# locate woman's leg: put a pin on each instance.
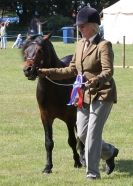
(1, 44)
(82, 123)
(4, 42)
(99, 112)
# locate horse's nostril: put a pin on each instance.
(28, 68)
(27, 71)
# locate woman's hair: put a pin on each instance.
(95, 27)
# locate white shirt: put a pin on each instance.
(87, 43)
(92, 38)
(3, 30)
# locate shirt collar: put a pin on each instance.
(91, 39)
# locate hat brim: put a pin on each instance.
(79, 23)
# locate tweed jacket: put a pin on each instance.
(96, 61)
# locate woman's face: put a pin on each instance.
(87, 30)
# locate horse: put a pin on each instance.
(38, 52)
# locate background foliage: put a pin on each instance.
(57, 13)
(47, 8)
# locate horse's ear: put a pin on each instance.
(47, 36)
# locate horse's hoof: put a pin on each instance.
(78, 165)
(47, 171)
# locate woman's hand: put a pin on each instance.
(92, 83)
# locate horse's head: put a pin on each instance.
(33, 52)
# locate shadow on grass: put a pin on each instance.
(125, 166)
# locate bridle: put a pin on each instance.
(32, 62)
(33, 65)
(33, 59)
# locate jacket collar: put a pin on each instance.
(97, 39)
(92, 46)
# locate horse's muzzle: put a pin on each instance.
(30, 73)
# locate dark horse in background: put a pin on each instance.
(52, 99)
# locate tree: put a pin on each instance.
(26, 9)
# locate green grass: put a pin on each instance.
(119, 55)
(22, 155)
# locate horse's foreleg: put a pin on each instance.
(72, 141)
(49, 145)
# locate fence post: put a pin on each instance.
(123, 54)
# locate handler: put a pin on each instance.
(93, 61)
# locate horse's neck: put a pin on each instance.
(55, 61)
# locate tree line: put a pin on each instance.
(59, 10)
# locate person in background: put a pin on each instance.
(92, 63)
(19, 42)
(3, 34)
(34, 26)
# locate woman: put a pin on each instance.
(93, 60)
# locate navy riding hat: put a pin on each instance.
(87, 15)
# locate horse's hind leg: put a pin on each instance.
(49, 145)
(72, 141)
(81, 148)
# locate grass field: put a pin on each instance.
(22, 155)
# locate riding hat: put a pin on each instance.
(87, 15)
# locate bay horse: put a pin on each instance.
(38, 52)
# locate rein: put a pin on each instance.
(73, 97)
(62, 84)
